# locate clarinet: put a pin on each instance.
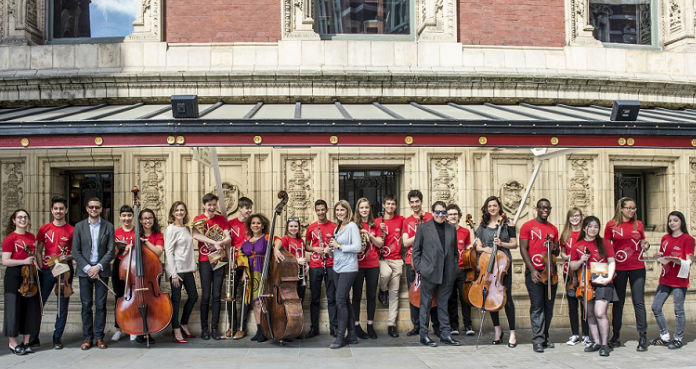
(323, 255)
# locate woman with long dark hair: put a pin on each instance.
(152, 238)
(486, 233)
(627, 237)
(592, 249)
(676, 249)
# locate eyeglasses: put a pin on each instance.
(294, 220)
(440, 212)
(94, 207)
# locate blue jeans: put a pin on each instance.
(48, 281)
(661, 296)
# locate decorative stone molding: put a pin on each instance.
(692, 195)
(148, 22)
(579, 29)
(436, 20)
(678, 21)
(232, 193)
(443, 175)
(579, 188)
(12, 187)
(511, 192)
(298, 181)
(150, 177)
(22, 21)
(298, 20)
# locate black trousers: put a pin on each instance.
(22, 315)
(415, 310)
(637, 279)
(576, 305)
(189, 282)
(48, 281)
(444, 291)
(117, 283)
(540, 307)
(509, 303)
(457, 297)
(330, 278)
(234, 309)
(344, 319)
(370, 276)
(211, 284)
(93, 292)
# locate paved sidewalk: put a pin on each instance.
(385, 352)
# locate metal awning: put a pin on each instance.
(287, 120)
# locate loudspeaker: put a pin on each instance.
(625, 110)
(185, 106)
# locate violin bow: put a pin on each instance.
(549, 272)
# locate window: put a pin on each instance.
(374, 184)
(74, 19)
(622, 21)
(648, 187)
(363, 17)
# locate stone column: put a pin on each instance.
(22, 22)
(436, 20)
(298, 20)
(148, 22)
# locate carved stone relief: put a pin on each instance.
(12, 187)
(148, 22)
(151, 181)
(22, 21)
(298, 179)
(579, 189)
(298, 20)
(436, 20)
(443, 174)
(232, 194)
(678, 19)
(511, 193)
(580, 32)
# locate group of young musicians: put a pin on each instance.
(354, 252)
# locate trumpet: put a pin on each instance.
(365, 243)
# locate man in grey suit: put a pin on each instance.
(93, 250)
(435, 259)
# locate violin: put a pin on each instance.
(488, 292)
(469, 257)
(414, 293)
(29, 286)
(281, 307)
(143, 309)
(550, 271)
(584, 287)
(63, 287)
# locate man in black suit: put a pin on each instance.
(435, 259)
(93, 250)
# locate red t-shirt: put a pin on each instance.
(536, 233)
(626, 242)
(203, 249)
(463, 241)
(580, 247)
(294, 245)
(568, 247)
(15, 243)
(410, 226)
(678, 247)
(314, 232)
(371, 259)
(156, 239)
(238, 232)
(56, 239)
(392, 240)
(123, 236)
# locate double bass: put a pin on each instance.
(281, 308)
(143, 309)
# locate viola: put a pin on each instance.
(143, 309)
(584, 287)
(29, 286)
(469, 257)
(63, 287)
(281, 307)
(550, 271)
(487, 292)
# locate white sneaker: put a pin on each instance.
(587, 341)
(133, 337)
(117, 335)
(455, 332)
(573, 340)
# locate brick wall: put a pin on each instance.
(222, 20)
(511, 22)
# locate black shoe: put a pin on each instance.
(205, 335)
(469, 331)
(34, 342)
(426, 341)
(371, 331)
(548, 345)
(674, 344)
(538, 347)
(413, 331)
(604, 350)
(337, 344)
(27, 348)
(332, 332)
(57, 344)
(214, 334)
(593, 347)
(312, 333)
(642, 343)
(499, 340)
(18, 350)
(351, 340)
(614, 341)
(392, 331)
(360, 333)
(448, 340)
(261, 338)
(384, 297)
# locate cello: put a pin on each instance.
(281, 308)
(143, 309)
(488, 292)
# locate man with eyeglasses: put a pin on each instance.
(533, 248)
(435, 259)
(93, 250)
